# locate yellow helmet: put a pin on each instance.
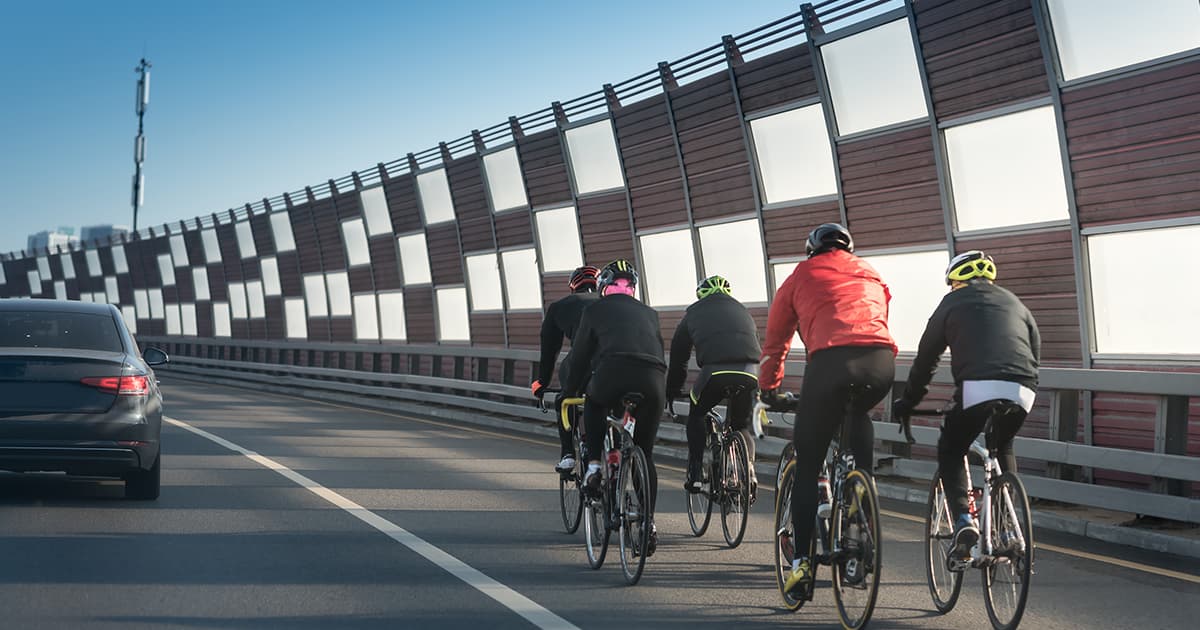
(969, 265)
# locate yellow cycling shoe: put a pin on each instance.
(801, 576)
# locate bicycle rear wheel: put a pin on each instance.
(944, 584)
(633, 494)
(595, 529)
(1006, 579)
(735, 489)
(570, 493)
(785, 538)
(699, 504)
(857, 536)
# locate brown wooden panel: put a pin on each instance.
(787, 228)
(545, 170)
(514, 229)
(476, 234)
(668, 321)
(361, 280)
(418, 315)
(290, 280)
(329, 234)
(466, 188)
(341, 329)
(555, 285)
(651, 161)
(487, 329)
(385, 263)
(893, 198)
(604, 223)
(276, 326)
(401, 197)
(712, 141)
(445, 259)
(348, 204)
(318, 329)
(305, 235)
(524, 329)
(776, 79)
(264, 240)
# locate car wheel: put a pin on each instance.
(143, 484)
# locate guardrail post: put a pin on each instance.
(1170, 438)
(1063, 427)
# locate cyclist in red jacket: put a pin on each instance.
(839, 305)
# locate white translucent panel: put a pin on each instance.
(669, 268)
(504, 179)
(237, 300)
(1095, 36)
(391, 317)
(281, 227)
(521, 279)
(734, 251)
(174, 321)
(111, 291)
(141, 300)
(1138, 304)
(452, 319)
(85, 297)
(295, 318)
(414, 259)
(375, 209)
(436, 203)
(338, 285)
(795, 157)
(355, 238)
(93, 263)
(156, 303)
(200, 281)
(558, 239)
(60, 290)
(917, 283)
(781, 271)
(166, 269)
(245, 240)
(483, 278)
(68, 265)
(35, 282)
(43, 265)
(222, 327)
(120, 264)
(594, 161)
(254, 299)
(188, 314)
(3, 278)
(179, 250)
(99, 297)
(366, 318)
(314, 295)
(129, 314)
(873, 78)
(270, 276)
(212, 248)
(1006, 171)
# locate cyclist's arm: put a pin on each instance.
(681, 349)
(781, 325)
(582, 349)
(929, 352)
(1035, 337)
(551, 343)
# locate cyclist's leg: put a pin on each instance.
(741, 409)
(566, 439)
(873, 368)
(819, 411)
(958, 431)
(651, 382)
(1005, 428)
(703, 399)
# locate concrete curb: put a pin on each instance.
(673, 433)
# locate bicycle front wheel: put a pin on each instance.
(570, 496)
(1006, 578)
(785, 538)
(859, 553)
(944, 584)
(735, 489)
(595, 527)
(699, 504)
(633, 495)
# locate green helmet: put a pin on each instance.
(711, 285)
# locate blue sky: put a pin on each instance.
(252, 99)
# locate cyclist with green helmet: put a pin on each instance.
(725, 338)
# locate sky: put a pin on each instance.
(251, 99)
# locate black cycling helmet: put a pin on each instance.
(828, 236)
(970, 265)
(614, 271)
(583, 279)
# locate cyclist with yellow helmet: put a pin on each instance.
(994, 352)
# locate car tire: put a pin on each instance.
(143, 485)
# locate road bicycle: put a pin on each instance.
(846, 535)
(726, 480)
(570, 483)
(1004, 552)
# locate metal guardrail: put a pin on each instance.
(469, 388)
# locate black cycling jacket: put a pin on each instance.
(562, 318)
(614, 326)
(720, 329)
(992, 337)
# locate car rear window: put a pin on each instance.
(42, 329)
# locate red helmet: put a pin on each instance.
(584, 279)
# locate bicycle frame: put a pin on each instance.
(981, 553)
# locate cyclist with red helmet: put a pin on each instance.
(561, 320)
(839, 305)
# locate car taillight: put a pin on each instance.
(119, 385)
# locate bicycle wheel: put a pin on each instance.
(944, 584)
(699, 505)
(634, 513)
(788, 454)
(856, 535)
(595, 526)
(735, 490)
(785, 536)
(1006, 579)
(570, 496)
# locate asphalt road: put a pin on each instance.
(407, 523)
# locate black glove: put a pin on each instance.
(901, 409)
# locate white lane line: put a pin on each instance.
(514, 601)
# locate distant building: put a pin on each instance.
(90, 233)
(61, 237)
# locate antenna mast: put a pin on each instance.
(139, 144)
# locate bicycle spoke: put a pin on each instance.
(856, 534)
(944, 584)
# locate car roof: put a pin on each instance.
(56, 306)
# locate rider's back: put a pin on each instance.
(991, 334)
(566, 312)
(722, 331)
(839, 300)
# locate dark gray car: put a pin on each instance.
(76, 394)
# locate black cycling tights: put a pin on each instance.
(959, 430)
(711, 390)
(611, 381)
(822, 406)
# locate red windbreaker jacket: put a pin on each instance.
(832, 299)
